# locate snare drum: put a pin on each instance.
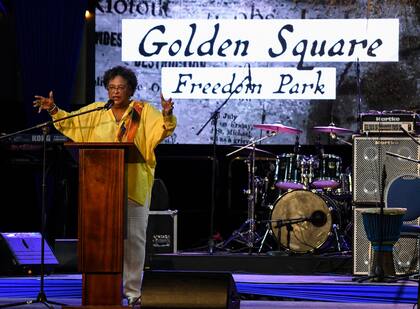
(302, 221)
(327, 175)
(289, 171)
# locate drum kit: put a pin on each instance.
(311, 211)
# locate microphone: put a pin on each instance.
(108, 104)
(318, 218)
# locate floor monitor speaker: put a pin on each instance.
(175, 289)
(20, 253)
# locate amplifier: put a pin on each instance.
(388, 123)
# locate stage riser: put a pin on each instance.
(307, 264)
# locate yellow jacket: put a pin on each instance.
(100, 126)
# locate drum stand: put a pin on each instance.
(267, 231)
(246, 233)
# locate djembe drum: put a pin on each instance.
(383, 243)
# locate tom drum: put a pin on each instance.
(327, 175)
(290, 171)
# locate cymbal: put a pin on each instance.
(332, 129)
(277, 127)
(256, 149)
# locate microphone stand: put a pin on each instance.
(359, 91)
(42, 297)
(339, 139)
(289, 228)
(391, 154)
(214, 117)
(263, 115)
(409, 135)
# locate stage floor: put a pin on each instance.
(255, 291)
(245, 304)
(262, 281)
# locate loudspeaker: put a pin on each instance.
(370, 158)
(164, 289)
(21, 253)
(406, 259)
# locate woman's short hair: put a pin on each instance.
(125, 73)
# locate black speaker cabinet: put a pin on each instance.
(20, 253)
(370, 161)
(173, 289)
(406, 258)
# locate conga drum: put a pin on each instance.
(383, 232)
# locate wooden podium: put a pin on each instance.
(102, 212)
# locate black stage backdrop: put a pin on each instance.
(185, 170)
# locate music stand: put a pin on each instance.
(42, 297)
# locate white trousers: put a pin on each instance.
(134, 248)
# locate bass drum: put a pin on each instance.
(302, 221)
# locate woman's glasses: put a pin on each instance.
(112, 88)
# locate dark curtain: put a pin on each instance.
(49, 36)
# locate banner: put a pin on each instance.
(248, 83)
(275, 40)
